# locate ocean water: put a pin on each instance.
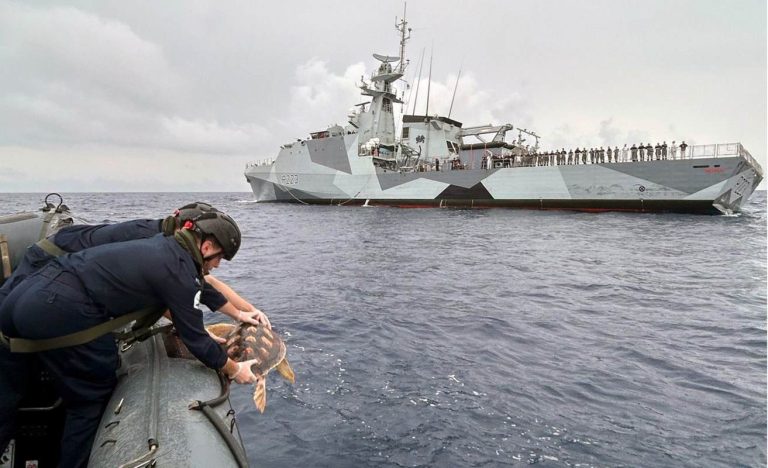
(442, 337)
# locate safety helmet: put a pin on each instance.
(192, 210)
(221, 227)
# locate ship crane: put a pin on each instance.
(477, 132)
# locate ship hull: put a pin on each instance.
(594, 206)
(311, 174)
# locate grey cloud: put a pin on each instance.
(80, 78)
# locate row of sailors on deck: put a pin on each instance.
(601, 155)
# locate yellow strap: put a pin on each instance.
(5, 258)
(46, 223)
(50, 248)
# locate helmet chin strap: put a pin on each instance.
(207, 258)
(210, 257)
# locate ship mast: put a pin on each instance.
(378, 122)
(402, 27)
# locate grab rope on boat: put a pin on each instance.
(226, 433)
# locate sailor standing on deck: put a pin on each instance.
(78, 291)
(624, 153)
(673, 149)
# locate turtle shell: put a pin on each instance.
(248, 342)
(245, 342)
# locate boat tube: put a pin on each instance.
(18, 231)
(167, 410)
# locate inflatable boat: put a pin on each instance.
(168, 409)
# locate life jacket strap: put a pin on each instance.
(143, 329)
(23, 345)
(5, 259)
(50, 248)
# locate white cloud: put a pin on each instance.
(212, 137)
(82, 51)
(320, 98)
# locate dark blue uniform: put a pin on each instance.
(76, 238)
(56, 301)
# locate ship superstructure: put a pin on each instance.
(437, 161)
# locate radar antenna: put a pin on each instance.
(402, 27)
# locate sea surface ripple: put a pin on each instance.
(443, 337)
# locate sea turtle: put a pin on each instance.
(246, 342)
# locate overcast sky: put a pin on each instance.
(180, 95)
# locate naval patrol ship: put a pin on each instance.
(436, 161)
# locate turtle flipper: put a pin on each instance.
(260, 394)
(221, 330)
(284, 369)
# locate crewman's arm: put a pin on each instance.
(229, 293)
(236, 307)
(254, 317)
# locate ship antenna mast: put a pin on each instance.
(429, 82)
(402, 27)
(418, 82)
(454, 93)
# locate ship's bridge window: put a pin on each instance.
(406, 132)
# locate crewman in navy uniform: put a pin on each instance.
(216, 295)
(81, 290)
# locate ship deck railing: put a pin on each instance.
(505, 160)
(261, 162)
(723, 150)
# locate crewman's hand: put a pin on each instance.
(254, 317)
(244, 374)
